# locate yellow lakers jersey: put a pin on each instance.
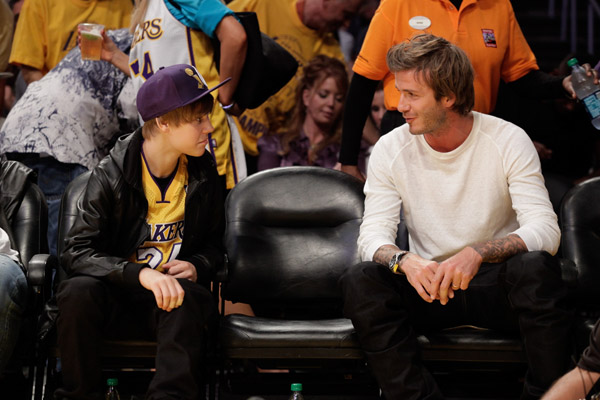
(166, 210)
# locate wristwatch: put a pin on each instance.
(395, 262)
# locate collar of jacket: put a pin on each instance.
(126, 154)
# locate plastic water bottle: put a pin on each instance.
(296, 392)
(586, 91)
(112, 393)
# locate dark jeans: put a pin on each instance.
(524, 294)
(91, 310)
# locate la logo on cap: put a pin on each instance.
(191, 73)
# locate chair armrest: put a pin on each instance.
(222, 271)
(39, 273)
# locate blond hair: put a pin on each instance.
(444, 66)
(138, 13)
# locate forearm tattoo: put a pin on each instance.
(384, 254)
(498, 250)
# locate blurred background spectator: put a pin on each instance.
(66, 122)
(305, 28)
(313, 135)
(47, 30)
(6, 34)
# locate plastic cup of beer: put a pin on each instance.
(91, 41)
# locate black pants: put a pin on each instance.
(524, 294)
(91, 310)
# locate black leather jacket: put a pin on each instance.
(15, 179)
(112, 218)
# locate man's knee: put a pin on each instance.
(535, 276)
(356, 276)
(533, 265)
(198, 300)
(13, 284)
(79, 292)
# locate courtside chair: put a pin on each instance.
(580, 242)
(291, 231)
(29, 222)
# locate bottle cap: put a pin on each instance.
(112, 381)
(572, 62)
(296, 387)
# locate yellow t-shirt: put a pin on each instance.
(165, 217)
(47, 29)
(6, 34)
(279, 19)
(486, 30)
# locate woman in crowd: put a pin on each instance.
(314, 133)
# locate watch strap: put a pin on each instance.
(395, 262)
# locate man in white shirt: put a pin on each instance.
(481, 228)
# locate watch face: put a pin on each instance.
(393, 260)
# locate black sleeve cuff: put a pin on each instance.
(356, 112)
(539, 85)
(131, 273)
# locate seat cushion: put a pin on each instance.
(244, 336)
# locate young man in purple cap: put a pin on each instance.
(142, 251)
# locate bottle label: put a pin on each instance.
(592, 104)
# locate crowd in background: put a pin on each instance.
(568, 157)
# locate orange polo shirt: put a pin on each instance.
(486, 30)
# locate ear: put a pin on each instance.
(306, 96)
(162, 125)
(448, 101)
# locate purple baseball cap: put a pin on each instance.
(170, 88)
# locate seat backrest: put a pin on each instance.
(68, 212)
(28, 212)
(291, 231)
(30, 224)
(580, 225)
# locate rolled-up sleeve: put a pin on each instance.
(538, 223)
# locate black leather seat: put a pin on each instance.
(28, 217)
(290, 233)
(580, 226)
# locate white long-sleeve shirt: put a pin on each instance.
(488, 187)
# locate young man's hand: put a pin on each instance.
(167, 291)
(181, 269)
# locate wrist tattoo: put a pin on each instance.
(383, 255)
(498, 250)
